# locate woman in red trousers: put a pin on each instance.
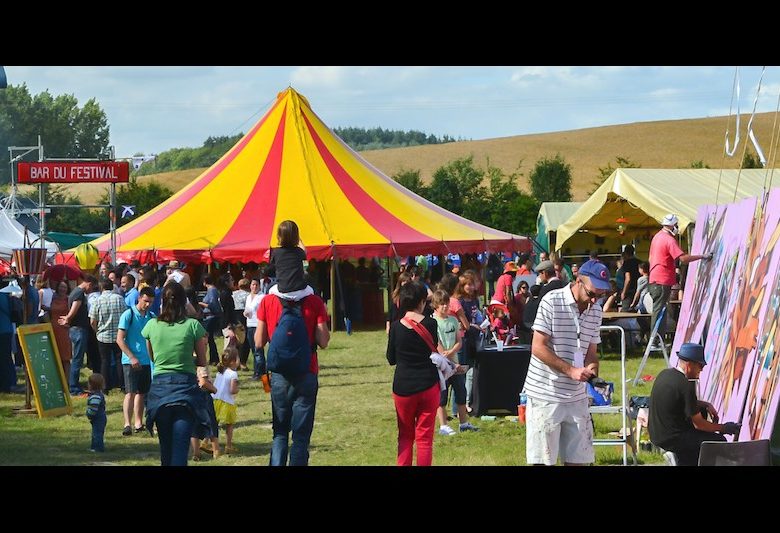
(416, 389)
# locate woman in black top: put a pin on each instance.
(416, 386)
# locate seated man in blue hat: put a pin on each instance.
(677, 420)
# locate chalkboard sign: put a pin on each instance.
(42, 359)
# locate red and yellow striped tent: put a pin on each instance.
(292, 166)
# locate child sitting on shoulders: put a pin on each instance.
(224, 399)
(287, 264)
(96, 411)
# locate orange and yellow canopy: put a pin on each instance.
(292, 166)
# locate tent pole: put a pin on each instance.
(390, 287)
(333, 293)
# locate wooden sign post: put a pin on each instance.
(44, 369)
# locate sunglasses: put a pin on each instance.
(590, 293)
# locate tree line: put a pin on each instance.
(184, 158)
(379, 138)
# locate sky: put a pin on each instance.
(152, 109)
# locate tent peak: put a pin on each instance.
(293, 95)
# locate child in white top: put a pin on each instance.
(224, 399)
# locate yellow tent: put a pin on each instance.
(644, 196)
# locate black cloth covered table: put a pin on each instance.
(498, 378)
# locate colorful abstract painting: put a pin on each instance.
(730, 306)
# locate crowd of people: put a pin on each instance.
(145, 333)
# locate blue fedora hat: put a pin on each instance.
(690, 351)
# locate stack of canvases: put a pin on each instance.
(731, 306)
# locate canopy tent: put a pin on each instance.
(551, 215)
(645, 196)
(292, 166)
(12, 236)
(71, 240)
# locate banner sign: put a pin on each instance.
(84, 172)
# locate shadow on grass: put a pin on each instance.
(341, 384)
(340, 367)
(248, 423)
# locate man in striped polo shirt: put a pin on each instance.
(563, 358)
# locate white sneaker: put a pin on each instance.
(446, 430)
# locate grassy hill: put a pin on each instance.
(661, 144)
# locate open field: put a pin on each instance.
(660, 144)
(355, 422)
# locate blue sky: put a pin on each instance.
(151, 109)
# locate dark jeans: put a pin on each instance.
(211, 325)
(93, 353)
(293, 402)
(174, 427)
(78, 338)
(98, 430)
(660, 295)
(687, 445)
(111, 365)
(257, 353)
(7, 368)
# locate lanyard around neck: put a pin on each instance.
(574, 315)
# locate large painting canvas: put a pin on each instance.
(761, 394)
(699, 297)
(730, 306)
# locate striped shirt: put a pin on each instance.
(558, 317)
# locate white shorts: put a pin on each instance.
(554, 429)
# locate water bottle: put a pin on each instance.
(521, 409)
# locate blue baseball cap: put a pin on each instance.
(690, 351)
(597, 272)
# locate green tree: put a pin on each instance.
(751, 160)
(605, 172)
(456, 185)
(511, 210)
(412, 181)
(699, 164)
(551, 180)
(66, 130)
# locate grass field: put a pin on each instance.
(355, 422)
(660, 144)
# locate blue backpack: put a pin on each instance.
(289, 352)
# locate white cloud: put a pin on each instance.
(313, 77)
